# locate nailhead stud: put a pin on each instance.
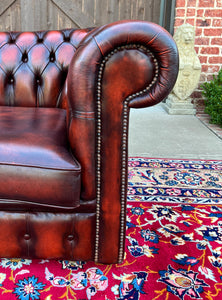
(70, 237)
(124, 143)
(27, 236)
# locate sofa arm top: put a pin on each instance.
(103, 40)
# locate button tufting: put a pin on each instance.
(66, 38)
(10, 80)
(52, 57)
(70, 237)
(40, 40)
(27, 236)
(38, 80)
(12, 41)
(24, 57)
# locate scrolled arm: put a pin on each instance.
(155, 39)
(127, 64)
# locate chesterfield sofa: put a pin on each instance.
(65, 98)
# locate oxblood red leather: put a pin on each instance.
(38, 59)
(35, 161)
(64, 172)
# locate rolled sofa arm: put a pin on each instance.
(123, 65)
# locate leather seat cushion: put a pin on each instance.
(37, 169)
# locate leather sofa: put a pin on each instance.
(65, 98)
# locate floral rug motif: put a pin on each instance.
(175, 181)
(173, 243)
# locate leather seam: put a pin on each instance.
(40, 167)
(83, 115)
(42, 205)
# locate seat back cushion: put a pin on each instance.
(34, 65)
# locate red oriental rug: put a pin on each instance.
(173, 243)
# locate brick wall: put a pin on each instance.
(206, 16)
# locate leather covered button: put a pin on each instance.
(38, 81)
(27, 236)
(66, 39)
(10, 79)
(52, 57)
(24, 57)
(70, 237)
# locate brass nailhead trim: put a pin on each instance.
(124, 144)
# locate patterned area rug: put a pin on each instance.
(173, 243)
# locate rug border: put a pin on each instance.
(187, 159)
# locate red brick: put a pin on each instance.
(192, 3)
(200, 100)
(215, 60)
(198, 31)
(203, 77)
(180, 3)
(197, 94)
(206, 3)
(196, 49)
(190, 21)
(213, 13)
(212, 32)
(210, 68)
(219, 3)
(200, 12)
(200, 106)
(210, 50)
(209, 77)
(203, 59)
(204, 68)
(217, 23)
(216, 41)
(202, 41)
(180, 12)
(213, 69)
(203, 23)
(178, 22)
(191, 12)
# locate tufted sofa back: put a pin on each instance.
(34, 66)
